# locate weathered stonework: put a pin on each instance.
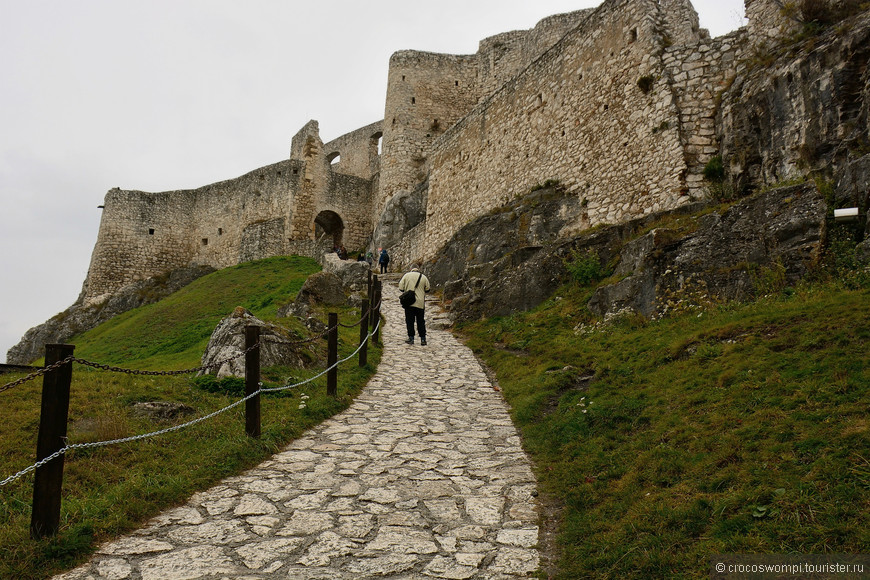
(621, 105)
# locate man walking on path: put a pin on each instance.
(384, 260)
(416, 281)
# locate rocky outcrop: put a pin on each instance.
(79, 318)
(402, 212)
(352, 274)
(322, 288)
(509, 235)
(514, 258)
(760, 244)
(227, 345)
(802, 108)
(770, 238)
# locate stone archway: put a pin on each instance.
(329, 226)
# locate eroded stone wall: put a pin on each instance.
(426, 94)
(147, 234)
(268, 212)
(576, 116)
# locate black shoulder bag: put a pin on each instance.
(408, 297)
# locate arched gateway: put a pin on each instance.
(328, 225)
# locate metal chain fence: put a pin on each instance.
(74, 446)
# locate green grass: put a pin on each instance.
(740, 430)
(185, 320)
(100, 484)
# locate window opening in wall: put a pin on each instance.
(334, 158)
(150, 231)
(295, 172)
(457, 83)
(279, 174)
(205, 241)
(632, 36)
(403, 77)
(377, 140)
(220, 231)
(413, 101)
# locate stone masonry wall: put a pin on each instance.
(578, 116)
(260, 214)
(146, 234)
(698, 75)
(426, 94)
(619, 104)
(357, 151)
(503, 56)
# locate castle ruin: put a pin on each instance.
(618, 104)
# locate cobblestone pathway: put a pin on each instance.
(422, 477)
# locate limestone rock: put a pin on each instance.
(777, 233)
(405, 210)
(353, 274)
(322, 288)
(162, 410)
(227, 343)
(804, 113)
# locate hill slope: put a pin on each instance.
(112, 489)
(742, 428)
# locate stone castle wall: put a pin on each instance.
(278, 209)
(576, 116)
(618, 104)
(503, 56)
(426, 94)
(147, 234)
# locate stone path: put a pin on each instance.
(422, 477)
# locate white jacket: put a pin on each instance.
(408, 282)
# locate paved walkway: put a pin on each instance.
(422, 477)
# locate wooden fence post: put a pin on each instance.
(373, 300)
(363, 334)
(369, 284)
(377, 312)
(332, 356)
(252, 381)
(48, 482)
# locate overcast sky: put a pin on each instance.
(160, 95)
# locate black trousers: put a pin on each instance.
(383, 268)
(413, 313)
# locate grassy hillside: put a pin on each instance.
(741, 428)
(111, 490)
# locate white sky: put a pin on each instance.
(160, 95)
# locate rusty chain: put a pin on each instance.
(38, 373)
(213, 365)
(110, 368)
